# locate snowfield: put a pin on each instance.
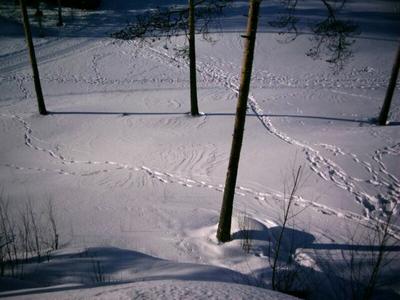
(136, 183)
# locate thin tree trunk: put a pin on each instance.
(382, 251)
(60, 19)
(37, 6)
(286, 211)
(194, 109)
(390, 90)
(224, 226)
(36, 79)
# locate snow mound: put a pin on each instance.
(160, 289)
(112, 273)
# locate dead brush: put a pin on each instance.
(246, 231)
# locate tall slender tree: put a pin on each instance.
(172, 21)
(60, 18)
(382, 120)
(331, 33)
(224, 226)
(194, 108)
(32, 56)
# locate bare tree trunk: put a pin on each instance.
(60, 19)
(37, 6)
(194, 109)
(390, 90)
(224, 226)
(28, 36)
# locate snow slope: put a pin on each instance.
(126, 167)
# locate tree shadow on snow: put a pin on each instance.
(361, 122)
(114, 15)
(300, 253)
(118, 113)
(103, 266)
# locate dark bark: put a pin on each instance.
(60, 18)
(390, 90)
(36, 78)
(167, 22)
(194, 109)
(224, 226)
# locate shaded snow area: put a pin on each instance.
(129, 187)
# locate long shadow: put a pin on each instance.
(297, 116)
(135, 266)
(117, 261)
(369, 121)
(293, 239)
(330, 276)
(53, 289)
(347, 247)
(118, 113)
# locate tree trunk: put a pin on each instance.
(37, 6)
(390, 90)
(60, 19)
(224, 226)
(194, 109)
(36, 79)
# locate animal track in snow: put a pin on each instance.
(163, 177)
(324, 167)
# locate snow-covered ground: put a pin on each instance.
(137, 184)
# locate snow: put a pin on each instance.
(165, 289)
(137, 183)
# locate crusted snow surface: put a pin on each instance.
(137, 183)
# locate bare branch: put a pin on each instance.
(172, 21)
(332, 37)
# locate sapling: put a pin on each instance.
(9, 252)
(368, 255)
(37, 245)
(287, 209)
(245, 230)
(53, 225)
